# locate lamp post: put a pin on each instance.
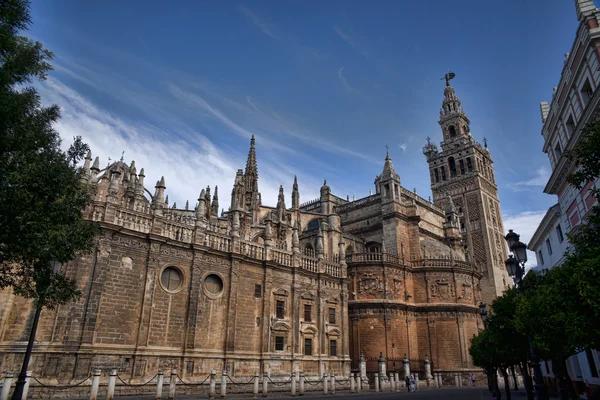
(515, 265)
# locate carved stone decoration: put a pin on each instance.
(467, 291)
(281, 292)
(370, 283)
(126, 262)
(442, 289)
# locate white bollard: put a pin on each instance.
(112, 381)
(172, 384)
(382, 382)
(293, 388)
(95, 384)
(398, 383)
(26, 386)
(8, 379)
(265, 388)
(332, 382)
(358, 383)
(416, 382)
(376, 382)
(255, 389)
(211, 385)
(325, 382)
(301, 388)
(392, 383)
(351, 379)
(224, 384)
(159, 384)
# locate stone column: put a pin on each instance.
(381, 364)
(428, 376)
(362, 365)
(406, 366)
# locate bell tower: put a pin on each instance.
(463, 171)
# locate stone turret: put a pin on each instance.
(214, 207)
(85, 175)
(280, 210)
(388, 182)
(585, 9)
(295, 195)
(95, 170)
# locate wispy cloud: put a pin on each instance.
(540, 179)
(525, 223)
(343, 79)
(403, 146)
(259, 23)
(351, 42)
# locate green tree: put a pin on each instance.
(554, 317)
(483, 353)
(42, 191)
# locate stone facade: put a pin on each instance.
(309, 287)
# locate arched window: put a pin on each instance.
(461, 163)
(437, 176)
(452, 166)
(314, 224)
(452, 131)
(469, 165)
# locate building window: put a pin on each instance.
(559, 233)
(586, 93)
(452, 166)
(461, 164)
(332, 315)
(469, 165)
(307, 313)
(307, 347)
(257, 291)
(171, 279)
(443, 173)
(278, 343)
(570, 126)
(333, 348)
(437, 176)
(452, 131)
(557, 151)
(591, 362)
(280, 309)
(541, 257)
(549, 246)
(213, 285)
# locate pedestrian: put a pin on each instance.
(412, 384)
(473, 379)
(469, 380)
(407, 382)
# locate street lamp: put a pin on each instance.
(483, 313)
(516, 269)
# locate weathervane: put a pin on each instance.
(122, 155)
(485, 142)
(450, 75)
(387, 150)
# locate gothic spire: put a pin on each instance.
(295, 194)
(251, 167)
(215, 202)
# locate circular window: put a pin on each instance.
(213, 285)
(171, 279)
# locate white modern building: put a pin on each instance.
(574, 104)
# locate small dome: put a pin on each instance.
(434, 249)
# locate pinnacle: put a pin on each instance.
(96, 163)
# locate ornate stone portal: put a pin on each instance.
(258, 288)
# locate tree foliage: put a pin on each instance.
(42, 196)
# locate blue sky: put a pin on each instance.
(325, 86)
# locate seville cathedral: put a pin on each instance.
(312, 287)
